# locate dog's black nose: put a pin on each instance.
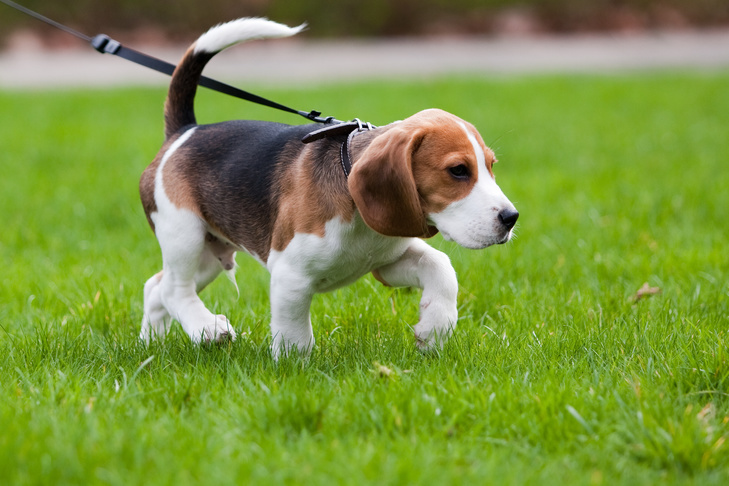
(508, 217)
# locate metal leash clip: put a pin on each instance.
(362, 126)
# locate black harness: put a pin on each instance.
(350, 129)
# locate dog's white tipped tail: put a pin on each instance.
(179, 107)
(230, 33)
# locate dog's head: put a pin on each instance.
(432, 172)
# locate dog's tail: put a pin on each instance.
(180, 104)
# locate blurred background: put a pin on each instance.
(177, 20)
(355, 39)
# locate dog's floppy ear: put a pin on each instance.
(383, 187)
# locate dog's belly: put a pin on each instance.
(347, 251)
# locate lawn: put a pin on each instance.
(557, 373)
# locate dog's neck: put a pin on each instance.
(348, 131)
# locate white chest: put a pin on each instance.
(347, 251)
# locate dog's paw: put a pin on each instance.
(425, 346)
(435, 328)
(289, 349)
(221, 331)
(429, 344)
(429, 338)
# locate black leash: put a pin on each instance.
(106, 45)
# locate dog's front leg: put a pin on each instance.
(429, 269)
(291, 295)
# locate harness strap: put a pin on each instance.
(346, 154)
(350, 129)
(332, 131)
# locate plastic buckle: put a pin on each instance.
(105, 44)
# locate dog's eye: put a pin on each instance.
(459, 171)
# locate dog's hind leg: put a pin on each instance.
(156, 319)
(189, 265)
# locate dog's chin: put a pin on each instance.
(474, 243)
(505, 239)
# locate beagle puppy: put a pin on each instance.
(313, 221)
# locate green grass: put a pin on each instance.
(554, 374)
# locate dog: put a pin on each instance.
(317, 215)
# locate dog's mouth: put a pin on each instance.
(506, 238)
(473, 235)
(473, 243)
(469, 242)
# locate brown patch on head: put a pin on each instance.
(445, 166)
(489, 155)
(490, 161)
(418, 166)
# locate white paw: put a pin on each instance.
(429, 342)
(153, 330)
(435, 327)
(147, 335)
(219, 332)
(284, 349)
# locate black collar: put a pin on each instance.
(350, 129)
